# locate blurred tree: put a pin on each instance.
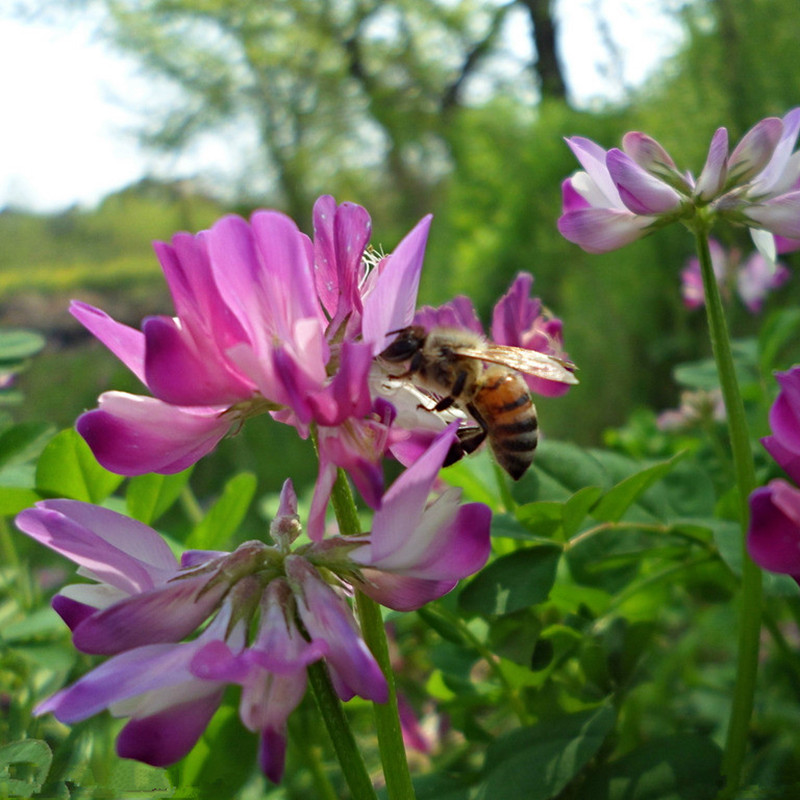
(360, 92)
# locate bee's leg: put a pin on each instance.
(458, 387)
(471, 438)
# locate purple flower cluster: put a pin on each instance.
(143, 603)
(267, 320)
(773, 539)
(623, 194)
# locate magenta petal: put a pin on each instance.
(133, 435)
(640, 191)
(161, 615)
(773, 540)
(601, 230)
(784, 416)
(390, 305)
(515, 312)
(340, 237)
(272, 754)
(126, 343)
(164, 738)
(180, 374)
(787, 460)
(71, 611)
(571, 198)
(401, 592)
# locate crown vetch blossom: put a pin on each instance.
(265, 320)
(621, 195)
(143, 604)
(773, 538)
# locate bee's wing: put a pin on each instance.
(531, 362)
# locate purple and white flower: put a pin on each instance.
(143, 607)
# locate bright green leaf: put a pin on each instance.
(225, 516)
(149, 496)
(13, 500)
(67, 468)
(31, 753)
(618, 500)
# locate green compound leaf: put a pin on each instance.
(29, 762)
(514, 581)
(538, 762)
(621, 497)
(67, 468)
(225, 516)
(149, 496)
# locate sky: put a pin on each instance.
(70, 103)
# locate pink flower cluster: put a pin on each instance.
(143, 603)
(753, 280)
(623, 194)
(266, 320)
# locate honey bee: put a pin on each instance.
(484, 380)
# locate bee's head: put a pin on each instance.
(408, 343)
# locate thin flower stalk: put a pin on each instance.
(387, 715)
(751, 594)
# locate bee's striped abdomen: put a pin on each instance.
(504, 403)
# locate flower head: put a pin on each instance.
(144, 609)
(265, 321)
(621, 195)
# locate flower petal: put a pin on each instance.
(166, 737)
(390, 305)
(773, 540)
(126, 343)
(715, 170)
(640, 191)
(132, 435)
(754, 151)
(601, 230)
(780, 215)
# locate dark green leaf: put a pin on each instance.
(24, 442)
(67, 468)
(561, 469)
(514, 581)
(538, 762)
(616, 501)
(225, 516)
(683, 767)
(149, 496)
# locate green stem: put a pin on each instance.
(344, 743)
(750, 601)
(387, 717)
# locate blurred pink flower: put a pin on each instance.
(753, 280)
